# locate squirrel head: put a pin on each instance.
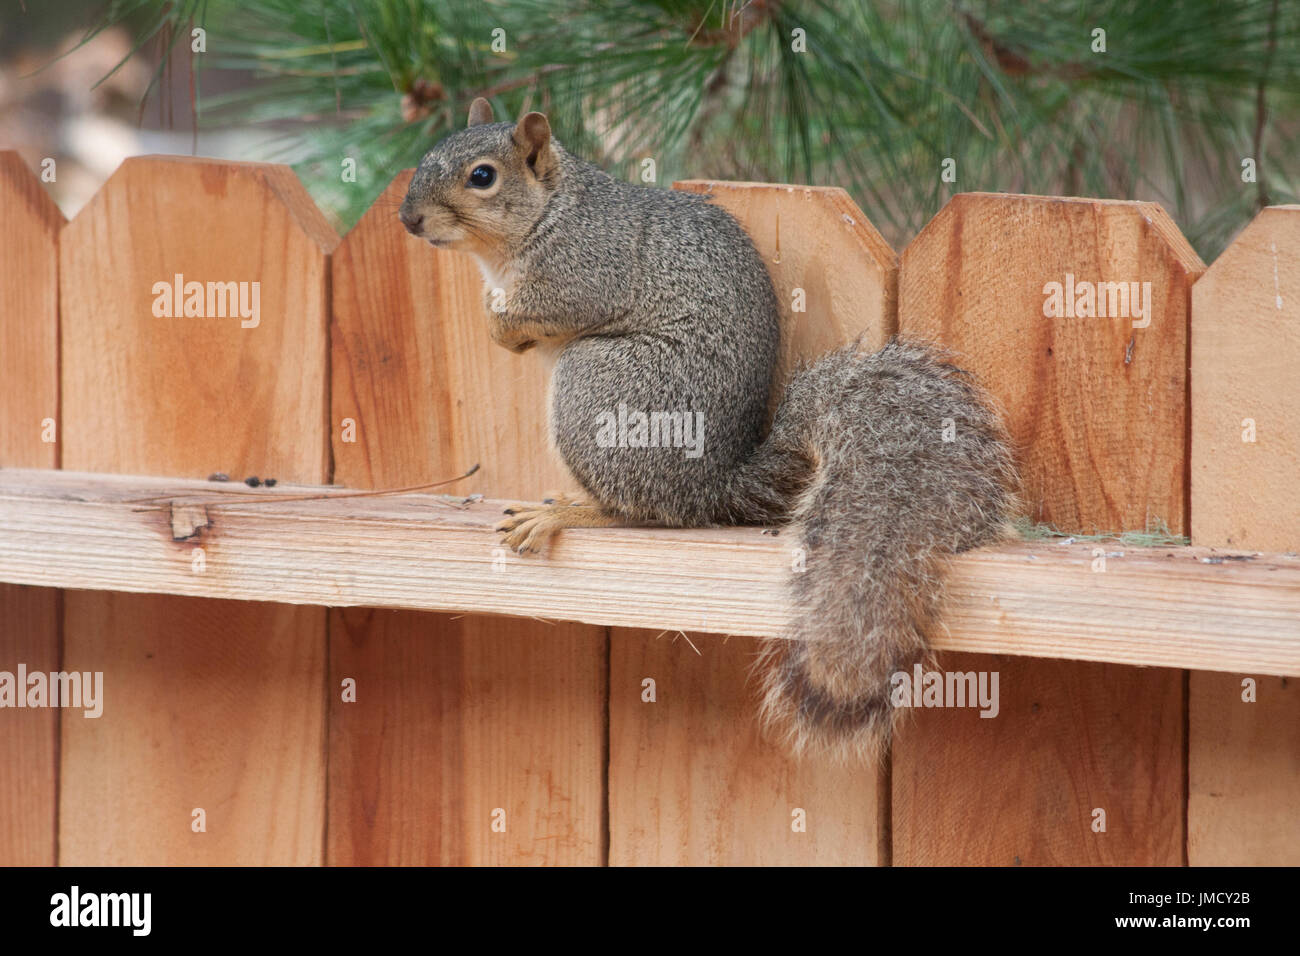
(482, 189)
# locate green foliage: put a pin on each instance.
(1013, 93)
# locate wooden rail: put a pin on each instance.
(1195, 608)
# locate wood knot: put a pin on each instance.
(188, 521)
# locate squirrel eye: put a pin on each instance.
(482, 177)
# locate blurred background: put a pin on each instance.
(1191, 103)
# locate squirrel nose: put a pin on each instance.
(411, 220)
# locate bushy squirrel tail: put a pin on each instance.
(886, 465)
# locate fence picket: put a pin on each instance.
(1244, 758)
(212, 705)
(1097, 407)
(691, 780)
(455, 718)
(29, 411)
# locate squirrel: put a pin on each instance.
(661, 327)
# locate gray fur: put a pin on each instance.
(886, 503)
(658, 300)
(660, 303)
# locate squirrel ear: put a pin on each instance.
(532, 135)
(480, 112)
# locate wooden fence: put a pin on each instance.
(481, 739)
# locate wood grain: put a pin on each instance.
(1244, 758)
(1097, 407)
(29, 394)
(1244, 771)
(1245, 390)
(1164, 607)
(1023, 788)
(698, 785)
(29, 316)
(210, 704)
(202, 698)
(458, 718)
(454, 718)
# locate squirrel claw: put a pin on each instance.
(529, 527)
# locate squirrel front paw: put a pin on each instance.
(514, 338)
(529, 527)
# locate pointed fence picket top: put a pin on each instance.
(29, 423)
(493, 727)
(1244, 746)
(210, 748)
(29, 322)
(188, 395)
(978, 279)
(1245, 389)
(1084, 762)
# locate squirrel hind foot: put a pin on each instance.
(550, 498)
(529, 527)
